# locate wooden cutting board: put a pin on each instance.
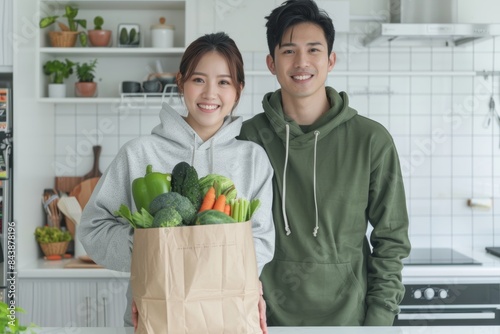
(84, 190)
(68, 183)
(77, 263)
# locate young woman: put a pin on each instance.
(210, 79)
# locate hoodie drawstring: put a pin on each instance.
(212, 155)
(194, 149)
(287, 227)
(316, 134)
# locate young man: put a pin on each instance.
(335, 172)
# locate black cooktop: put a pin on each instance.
(438, 256)
(493, 250)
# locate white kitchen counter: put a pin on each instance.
(55, 269)
(315, 330)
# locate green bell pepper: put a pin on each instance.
(145, 189)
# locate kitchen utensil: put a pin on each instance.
(84, 190)
(50, 199)
(493, 113)
(70, 207)
(94, 172)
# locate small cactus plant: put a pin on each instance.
(98, 22)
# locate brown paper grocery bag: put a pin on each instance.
(196, 279)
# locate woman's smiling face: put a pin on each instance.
(209, 94)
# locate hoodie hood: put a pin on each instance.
(292, 135)
(176, 130)
(339, 113)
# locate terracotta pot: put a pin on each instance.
(99, 37)
(86, 89)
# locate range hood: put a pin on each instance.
(429, 34)
(427, 23)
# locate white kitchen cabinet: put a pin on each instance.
(243, 20)
(6, 35)
(73, 302)
(114, 64)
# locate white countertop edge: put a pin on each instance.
(55, 269)
(487, 272)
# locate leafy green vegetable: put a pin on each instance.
(49, 234)
(138, 219)
(223, 185)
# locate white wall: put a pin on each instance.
(33, 135)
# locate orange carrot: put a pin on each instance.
(227, 209)
(220, 203)
(208, 200)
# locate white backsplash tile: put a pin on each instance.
(463, 61)
(442, 61)
(421, 61)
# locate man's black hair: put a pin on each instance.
(293, 12)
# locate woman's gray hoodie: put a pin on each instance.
(108, 240)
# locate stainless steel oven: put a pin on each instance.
(448, 303)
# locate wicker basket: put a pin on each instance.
(54, 248)
(63, 39)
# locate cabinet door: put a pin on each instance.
(25, 300)
(6, 36)
(111, 302)
(242, 20)
(58, 303)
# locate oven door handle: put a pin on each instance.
(447, 315)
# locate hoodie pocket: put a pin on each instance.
(317, 294)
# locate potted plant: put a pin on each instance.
(68, 34)
(9, 323)
(58, 71)
(86, 87)
(99, 36)
(52, 240)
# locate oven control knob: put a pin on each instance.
(429, 293)
(417, 294)
(443, 294)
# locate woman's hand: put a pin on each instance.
(135, 315)
(262, 310)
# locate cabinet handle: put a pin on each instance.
(104, 311)
(87, 299)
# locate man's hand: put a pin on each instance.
(262, 311)
(135, 315)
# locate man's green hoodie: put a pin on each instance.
(331, 179)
